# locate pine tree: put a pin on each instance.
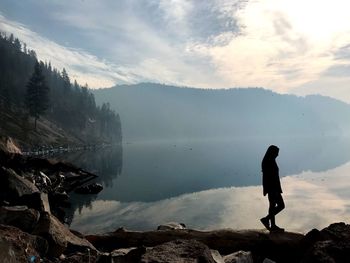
(37, 94)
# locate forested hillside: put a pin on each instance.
(71, 110)
(154, 111)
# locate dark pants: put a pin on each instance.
(276, 206)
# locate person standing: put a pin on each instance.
(272, 188)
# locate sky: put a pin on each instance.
(288, 46)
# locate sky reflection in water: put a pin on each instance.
(313, 200)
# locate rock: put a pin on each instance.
(178, 251)
(171, 226)
(239, 257)
(217, 256)
(15, 186)
(104, 258)
(42, 181)
(328, 245)
(127, 255)
(18, 246)
(59, 199)
(59, 237)
(19, 216)
(79, 257)
(266, 260)
(38, 201)
(11, 146)
(93, 188)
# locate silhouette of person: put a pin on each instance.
(272, 187)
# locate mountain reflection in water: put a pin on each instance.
(214, 185)
(313, 200)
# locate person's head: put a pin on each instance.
(272, 152)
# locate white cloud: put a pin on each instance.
(82, 66)
(283, 45)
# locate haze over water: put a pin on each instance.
(209, 184)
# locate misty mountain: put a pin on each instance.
(154, 112)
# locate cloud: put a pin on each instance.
(82, 66)
(136, 40)
(283, 45)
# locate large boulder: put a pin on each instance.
(332, 244)
(37, 200)
(14, 186)
(178, 251)
(18, 246)
(239, 257)
(19, 216)
(59, 237)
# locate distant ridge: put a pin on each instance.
(151, 111)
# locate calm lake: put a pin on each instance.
(210, 184)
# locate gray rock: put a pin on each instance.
(217, 256)
(239, 257)
(189, 251)
(19, 216)
(18, 246)
(331, 244)
(171, 226)
(79, 257)
(17, 186)
(59, 237)
(127, 255)
(122, 251)
(38, 201)
(266, 260)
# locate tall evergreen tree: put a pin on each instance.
(37, 94)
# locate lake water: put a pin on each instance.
(209, 184)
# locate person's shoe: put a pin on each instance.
(276, 229)
(265, 222)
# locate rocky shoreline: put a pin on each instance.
(34, 191)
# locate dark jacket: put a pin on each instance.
(270, 171)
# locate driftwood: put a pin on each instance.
(277, 246)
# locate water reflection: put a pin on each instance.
(210, 184)
(158, 170)
(106, 162)
(313, 200)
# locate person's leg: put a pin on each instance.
(269, 220)
(279, 203)
(276, 206)
(272, 208)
